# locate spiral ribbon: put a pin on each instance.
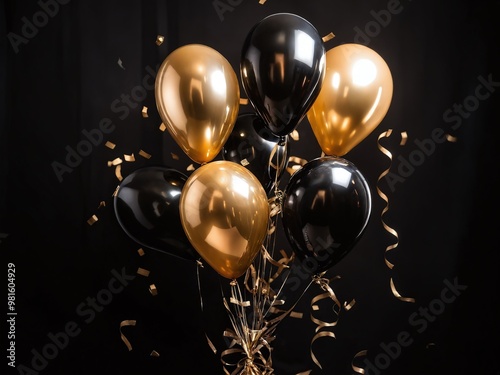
(393, 232)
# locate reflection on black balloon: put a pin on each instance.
(147, 208)
(253, 145)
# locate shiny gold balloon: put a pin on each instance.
(354, 99)
(224, 212)
(198, 97)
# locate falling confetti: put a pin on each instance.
(145, 112)
(153, 290)
(129, 158)
(120, 63)
(451, 138)
(110, 145)
(159, 40)
(144, 154)
(114, 162)
(328, 37)
(243, 101)
(174, 156)
(92, 220)
(141, 252)
(162, 127)
(142, 272)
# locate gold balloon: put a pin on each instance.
(198, 96)
(354, 99)
(224, 212)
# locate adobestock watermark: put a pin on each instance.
(87, 310)
(419, 321)
(455, 115)
(223, 6)
(32, 26)
(380, 20)
(93, 138)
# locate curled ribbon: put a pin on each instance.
(126, 323)
(387, 153)
(328, 293)
(357, 369)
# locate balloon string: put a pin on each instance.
(199, 265)
(389, 229)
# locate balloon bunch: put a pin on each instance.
(226, 211)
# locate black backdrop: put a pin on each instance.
(87, 54)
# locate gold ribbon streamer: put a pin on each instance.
(393, 232)
(317, 336)
(387, 153)
(126, 323)
(398, 296)
(329, 293)
(357, 369)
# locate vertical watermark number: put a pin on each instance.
(11, 314)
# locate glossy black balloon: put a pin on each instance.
(266, 154)
(147, 208)
(326, 209)
(282, 69)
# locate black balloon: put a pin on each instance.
(266, 153)
(147, 208)
(326, 209)
(282, 69)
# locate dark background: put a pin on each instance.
(64, 80)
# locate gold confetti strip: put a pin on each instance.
(92, 220)
(120, 63)
(163, 127)
(129, 158)
(350, 305)
(398, 296)
(144, 154)
(101, 204)
(174, 156)
(145, 112)
(190, 167)
(296, 315)
(118, 172)
(243, 101)
(357, 369)
(153, 290)
(159, 40)
(328, 37)
(404, 138)
(116, 161)
(126, 323)
(244, 162)
(295, 135)
(116, 191)
(141, 252)
(110, 145)
(154, 353)
(262, 1)
(142, 272)
(210, 343)
(299, 163)
(451, 138)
